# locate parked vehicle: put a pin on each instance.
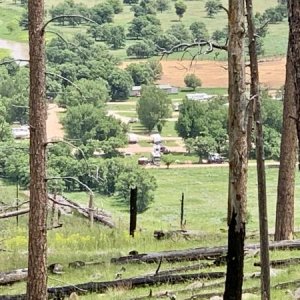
(21, 132)
(164, 149)
(156, 138)
(143, 161)
(215, 158)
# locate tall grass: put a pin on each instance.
(205, 191)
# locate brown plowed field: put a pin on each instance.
(214, 73)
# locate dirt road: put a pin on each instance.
(54, 127)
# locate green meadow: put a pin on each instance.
(205, 192)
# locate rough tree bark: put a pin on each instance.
(37, 247)
(288, 150)
(261, 172)
(238, 159)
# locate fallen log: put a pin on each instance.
(195, 286)
(252, 290)
(197, 253)
(182, 269)
(281, 262)
(99, 216)
(14, 213)
(102, 287)
(13, 276)
(174, 234)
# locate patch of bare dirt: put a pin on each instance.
(215, 73)
(54, 127)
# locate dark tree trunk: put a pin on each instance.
(261, 173)
(288, 151)
(133, 211)
(238, 159)
(37, 247)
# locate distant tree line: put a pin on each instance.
(203, 126)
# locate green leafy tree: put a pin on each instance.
(139, 23)
(153, 107)
(168, 160)
(116, 5)
(5, 130)
(274, 14)
(16, 166)
(141, 73)
(120, 84)
(141, 49)
(199, 31)
(180, 9)
(162, 5)
(86, 122)
(145, 7)
(116, 37)
(150, 31)
(102, 13)
(203, 145)
(199, 119)
(140, 178)
(272, 143)
(181, 33)
(130, 2)
(219, 35)
(166, 41)
(108, 171)
(212, 7)
(86, 91)
(192, 81)
(155, 67)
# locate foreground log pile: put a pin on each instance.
(158, 277)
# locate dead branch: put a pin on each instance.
(15, 206)
(224, 8)
(13, 60)
(186, 46)
(65, 79)
(67, 16)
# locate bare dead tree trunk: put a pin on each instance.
(261, 172)
(238, 158)
(284, 227)
(37, 247)
(133, 211)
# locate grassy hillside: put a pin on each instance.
(275, 42)
(205, 210)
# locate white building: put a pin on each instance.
(199, 96)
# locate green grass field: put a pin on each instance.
(274, 44)
(205, 193)
(4, 52)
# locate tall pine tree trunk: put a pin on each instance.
(261, 173)
(286, 180)
(238, 160)
(37, 270)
